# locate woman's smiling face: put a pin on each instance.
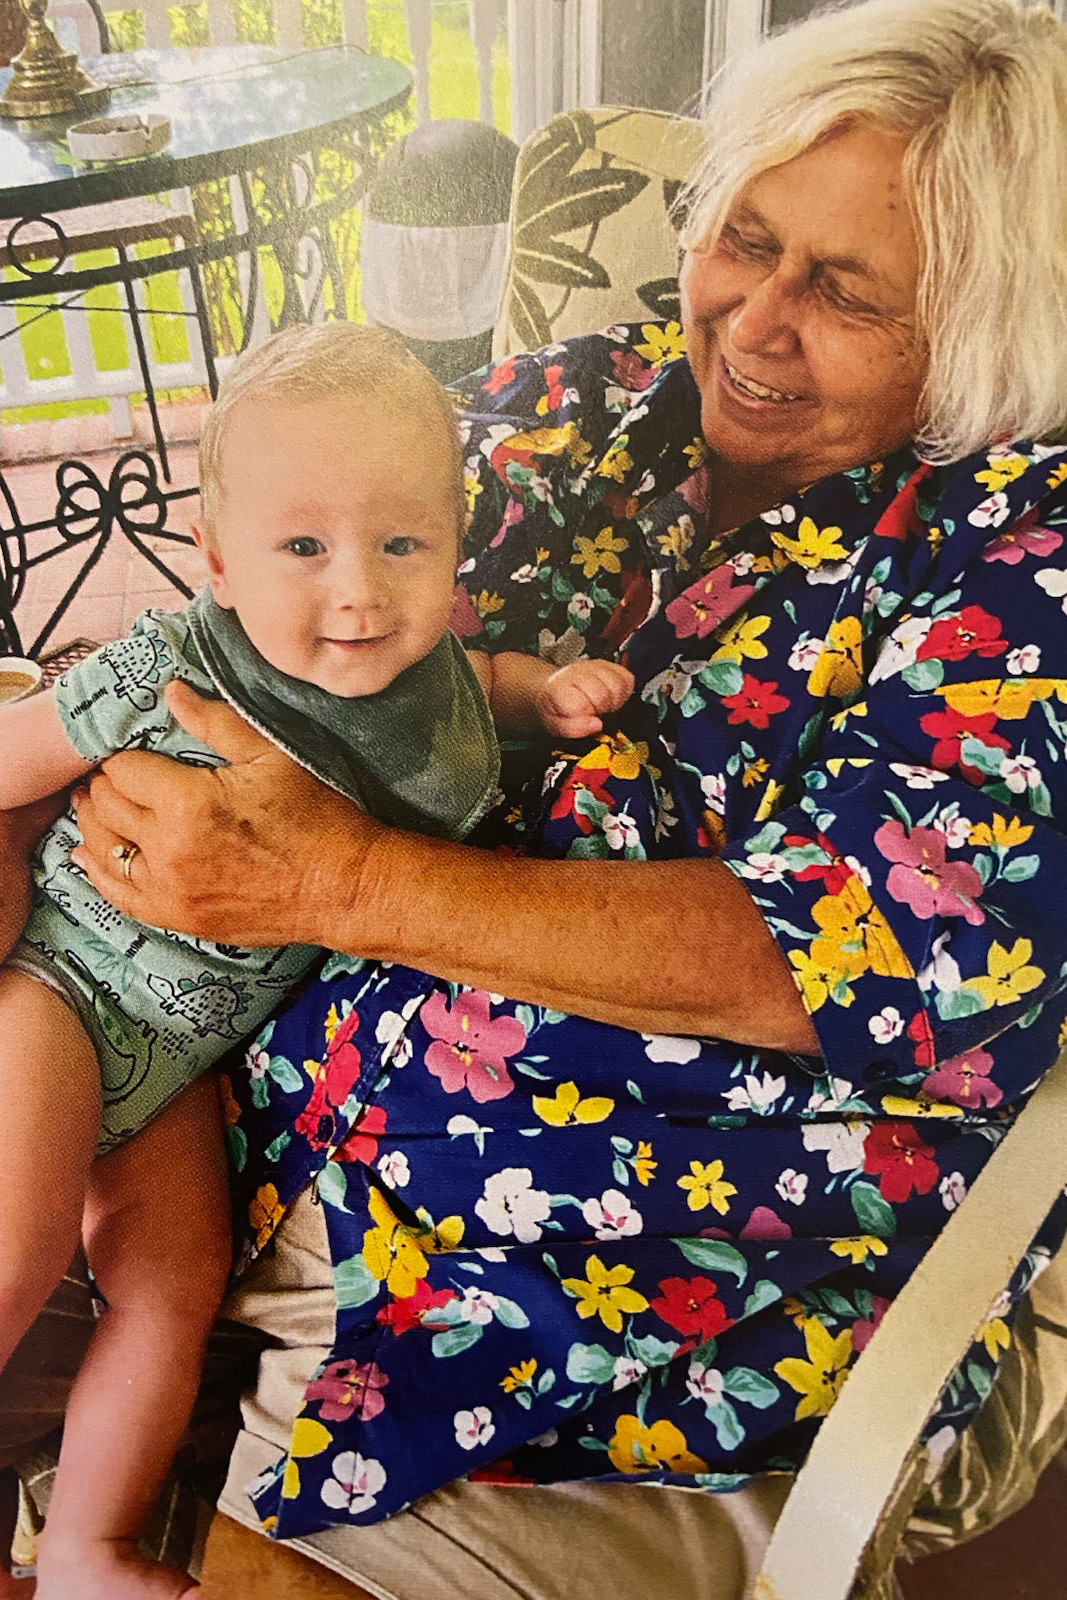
(800, 317)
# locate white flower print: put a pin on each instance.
(613, 1216)
(901, 649)
(952, 1189)
(496, 435)
(858, 870)
(395, 1170)
(917, 777)
(627, 1371)
(842, 1143)
(1026, 659)
(805, 653)
(526, 573)
(510, 1206)
(713, 788)
(1020, 773)
(478, 1305)
(1054, 583)
(673, 684)
(669, 1047)
(473, 1428)
(830, 1097)
(941, 971)
(792, 1186)
(764, 867)
(992, 512)
(621, 831)
(257, 1061)
(705, 1384)
(580, 605)
(755, 1094)
(956, 829)
(457, 1126)
(391, 1031)
(355, 1485)
(784, 513)
(886, 1026)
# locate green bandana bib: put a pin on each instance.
(421, 754)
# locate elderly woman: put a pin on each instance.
(627, 1133)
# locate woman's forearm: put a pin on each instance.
(662, 947)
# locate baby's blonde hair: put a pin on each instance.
(979, 88)
(316, 362)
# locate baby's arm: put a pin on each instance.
(36, 755)
(526, 693)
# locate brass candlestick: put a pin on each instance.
(46, 80)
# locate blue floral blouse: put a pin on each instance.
(566, 1250)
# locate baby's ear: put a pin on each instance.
(216, 572)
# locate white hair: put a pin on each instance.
(979, 88)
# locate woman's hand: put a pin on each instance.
(253, 854)
(19, 832)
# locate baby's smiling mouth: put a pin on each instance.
(357, 645)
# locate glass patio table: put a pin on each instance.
(275, 148)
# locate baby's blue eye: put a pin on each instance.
(305, 547)
(401, 544)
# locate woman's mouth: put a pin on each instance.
(750, 390)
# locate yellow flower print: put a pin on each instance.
(676, 541)
(1004, 834)
(439, 1238)
(899, 1105)
(1061, 1038)
(816, 980)
(618, 755)
(1009, 701)
(770, 801)
(567, 1110)
(855, 936)
(715, 828)
(643, 1164)
(858, 1249)
(1057, 475)
(839, 669)
(1008, 975)
(605, 1294)
(696, 453)
(1001, 471)
(706, 1187)
(635, 1448)
(754, 773)
(265, 1212)
(310, 1438)
(519, 1377)
(333, 1022)
(820, 1379)
(550, 442)
(742, 640)
(661, 344)
(995, 1335)
(485, 603)
(472, 486)
(812, 545)
(231, 1111)
(599, 554)
(390, 1251)
(616, 463)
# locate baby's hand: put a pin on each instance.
(573, 701)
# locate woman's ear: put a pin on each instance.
(216, 571)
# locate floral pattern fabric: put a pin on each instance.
(566, 1250)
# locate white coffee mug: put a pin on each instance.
(18, 678)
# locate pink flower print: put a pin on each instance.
(470, 1048)
(766, 1224)
(964, 1080)
(864, 1330)
(347, 1389)
(630, 371)
(923, 880)
(700, 608)
(464, 621)
(1011, 546)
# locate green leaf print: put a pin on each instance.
(873, 1214)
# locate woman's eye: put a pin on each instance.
(305, 547)
(842, 301)
(402, 544)
(745, 244)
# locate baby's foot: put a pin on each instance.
(109, 1570)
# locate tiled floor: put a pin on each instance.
(123, 583)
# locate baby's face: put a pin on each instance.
(336, 538)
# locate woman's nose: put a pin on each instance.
(766, 320)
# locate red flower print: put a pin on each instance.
(347, 1389)
(500, 376)
(755, 702)
(900, 519)
(361, 1144)
(502, 1471)
(469, 1047)
(692, 1306)
(415, 1310)
(965, 1080)
(921, 1034)
(923, 880)
(834, 872)
(553, 390)
(864, 1330)
(464, 621)
(950, 728)
(973, 632)
(580, 780)
(631, 610)
(334, 1080)
(894, 1153)
(700, 608)
(630, 371)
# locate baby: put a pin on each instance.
(332, 512)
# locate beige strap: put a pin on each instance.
(864, 1445)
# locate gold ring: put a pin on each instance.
(125, 853)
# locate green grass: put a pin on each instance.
(453, 93)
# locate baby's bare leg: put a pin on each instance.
(157, 1234)
(50, 1094)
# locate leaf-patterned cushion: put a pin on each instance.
(591, 240)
